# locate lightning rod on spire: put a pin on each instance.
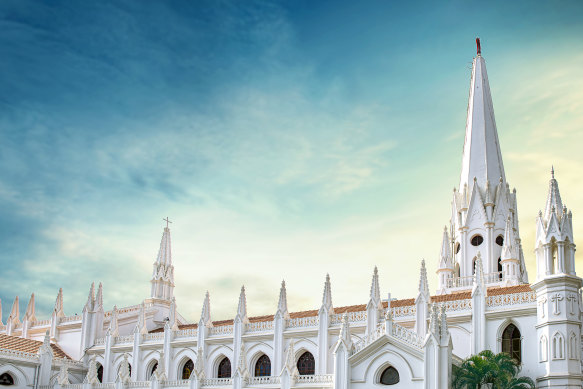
(478, 46)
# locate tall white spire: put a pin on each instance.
(445, 258)
(58, 309)
(482, 158)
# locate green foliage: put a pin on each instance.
(500, 370)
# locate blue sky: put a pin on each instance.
(284, 139)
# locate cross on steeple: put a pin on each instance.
(167, 220)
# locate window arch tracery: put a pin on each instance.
(389, 376)
(6, 379)
(187, 369)
(558, 346)
(511, 342)
(543, 349)
(306, 364)
(263, 366)
(224, 369)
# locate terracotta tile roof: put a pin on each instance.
(28, 345)
(495, 291)
(466, 294)
(462, 295)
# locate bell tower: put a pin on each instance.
(483, 207)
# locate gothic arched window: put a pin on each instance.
(500, 267)
(500, 240)
(263, 366)
(306, 364)
(100, 372)
(558, 346)
(390, 376)
(152, 369)
(543, 349)
(6, 380)
(511, 342)
(224, 368)
(457, 269)
(187, 369)
(573, 346)
(457, 247)
(477, 240)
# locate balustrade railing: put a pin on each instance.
(468, 281)
(511, 299)
(260, 326)
(216, 382)
(406, 310)
(67, 319)
(315, 379)
(263, 380)
(19, 354)
(124, 339)
(221, 330)
(154, 336)
(176, 383)
(310, 321)
(190, 332)
(407, 335)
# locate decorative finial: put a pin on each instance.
(478, 47)
(167, 220)
(552, 172)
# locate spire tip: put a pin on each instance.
(478, 46)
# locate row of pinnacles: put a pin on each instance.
(435, 345)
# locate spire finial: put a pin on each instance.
(552, 172)
(478, 46)
(167, 220)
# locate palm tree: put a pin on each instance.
(499, 370)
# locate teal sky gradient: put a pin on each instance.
(284, 139)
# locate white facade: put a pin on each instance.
(483, 301)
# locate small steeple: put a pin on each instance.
(172, 316)
(29, 315)
(92, 377)
(423, 284)
(242, 307)
(99, 298)
(282, 303)
(482, 157)
(14, 316)
(344, 336)
(375, 291)
(58, 309)
(290, 360)
(89, 305)
(327, 296)
(443, 320)
(163, 271)
(141, 325)
(508, 249)
(479, 281)
(113, 324)
(434, 322)
(46, 346)
(205, 316)
(242, 370)
(445, 259)
(554, 203)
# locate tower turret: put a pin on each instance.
(163, 271)
(558, 321)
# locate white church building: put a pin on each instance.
(484, 300)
